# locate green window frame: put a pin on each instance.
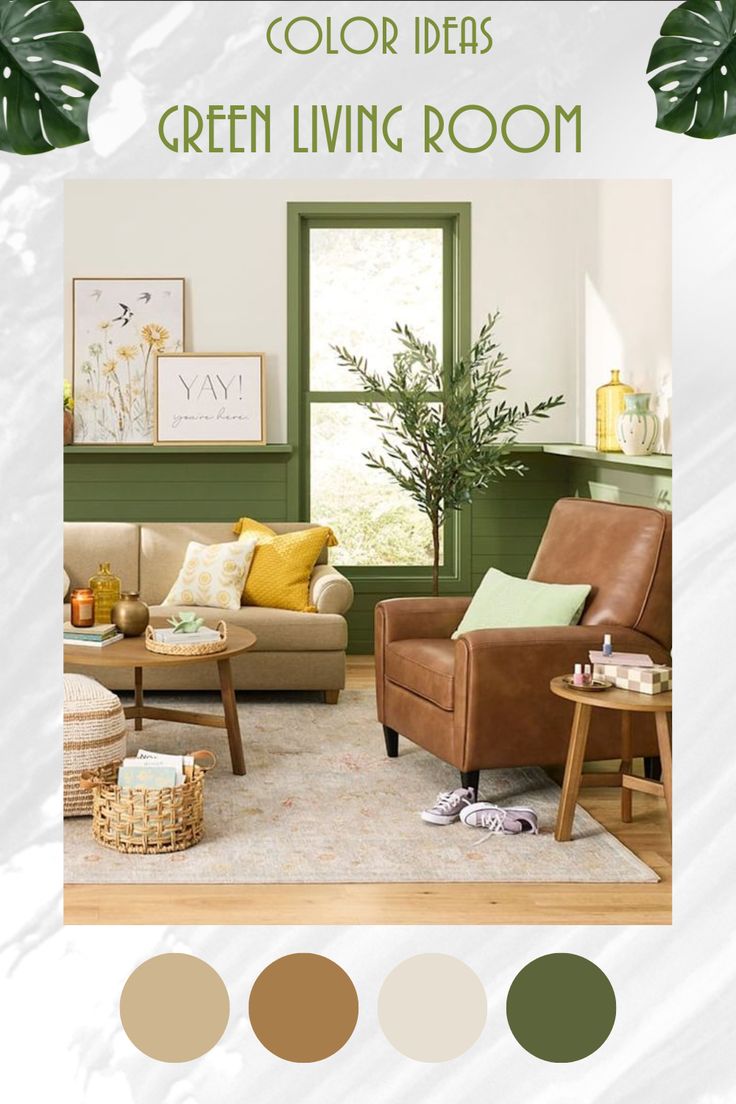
(454, 221)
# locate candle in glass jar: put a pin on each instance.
(83, 607)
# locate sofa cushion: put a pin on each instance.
(212, 575)
(163, 544)
(282, 565)
(163, 547)
(624, 552)
(87, 544)
(505, 602)
(275, 630)
(425, 667)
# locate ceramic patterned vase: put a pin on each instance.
(637, 428)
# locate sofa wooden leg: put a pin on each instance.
(391, 737)
(331, 696)
(470, 780)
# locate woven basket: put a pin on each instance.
(210, 647)
(147, 822)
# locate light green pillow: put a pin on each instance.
(505, 602)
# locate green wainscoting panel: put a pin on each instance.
(632, 486)
(509, 519)
(174, 487)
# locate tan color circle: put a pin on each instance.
(432, 1007)
(174, 1007)
(303, 1007)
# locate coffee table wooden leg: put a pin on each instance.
(573, 770)
(138, 674)
(665, 754)
(230, 708)
(626, 766)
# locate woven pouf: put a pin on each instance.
(94, 734)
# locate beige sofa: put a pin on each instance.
(294, 651)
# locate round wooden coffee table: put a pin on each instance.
(132, 652)
(627, 702)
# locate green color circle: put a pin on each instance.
(561, 1007)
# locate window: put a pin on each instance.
(361, 269)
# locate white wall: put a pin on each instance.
(626, 294)
(533, 244)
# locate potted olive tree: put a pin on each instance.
(445, 433)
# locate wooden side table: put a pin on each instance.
(627, 702)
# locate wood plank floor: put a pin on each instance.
(412, 903)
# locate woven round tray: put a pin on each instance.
(147, 822)
(210, 647)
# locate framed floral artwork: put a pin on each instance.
(119, 326)
(210, 399)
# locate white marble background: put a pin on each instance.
(60, 1034)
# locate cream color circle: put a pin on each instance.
(432, 1007)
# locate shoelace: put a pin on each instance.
(445, 801)
(493, 823)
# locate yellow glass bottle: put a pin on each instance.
(609, 403)
(106, 589)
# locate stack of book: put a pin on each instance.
(97, 636)
(151, 770)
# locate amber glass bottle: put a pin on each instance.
(609, 403)
(106, 588)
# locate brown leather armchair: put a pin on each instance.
(483, 700)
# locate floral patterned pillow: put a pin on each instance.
(212, 575)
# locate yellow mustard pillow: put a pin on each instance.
(282, 564)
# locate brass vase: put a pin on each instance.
(130, 615)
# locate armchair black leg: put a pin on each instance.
(470, 780)
(391, 737)
(652, 767)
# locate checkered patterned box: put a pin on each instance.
(643, 680)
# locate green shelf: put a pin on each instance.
(176, 450)
(661, 462)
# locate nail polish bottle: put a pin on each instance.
(587, 675)
(607, 645)
(577, 677)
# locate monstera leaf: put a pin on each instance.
(695, 64)
(45, 75)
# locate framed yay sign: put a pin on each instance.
(210, 399)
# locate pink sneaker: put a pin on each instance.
(497, 821)
(449, 806)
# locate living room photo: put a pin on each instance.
(367, 552)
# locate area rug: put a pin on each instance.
(321, 802)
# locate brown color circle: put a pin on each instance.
(174, 1007)
(303, 1007)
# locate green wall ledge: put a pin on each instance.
(175, 450)
(657, 462)
(661, 462)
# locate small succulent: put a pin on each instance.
(186, 622)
